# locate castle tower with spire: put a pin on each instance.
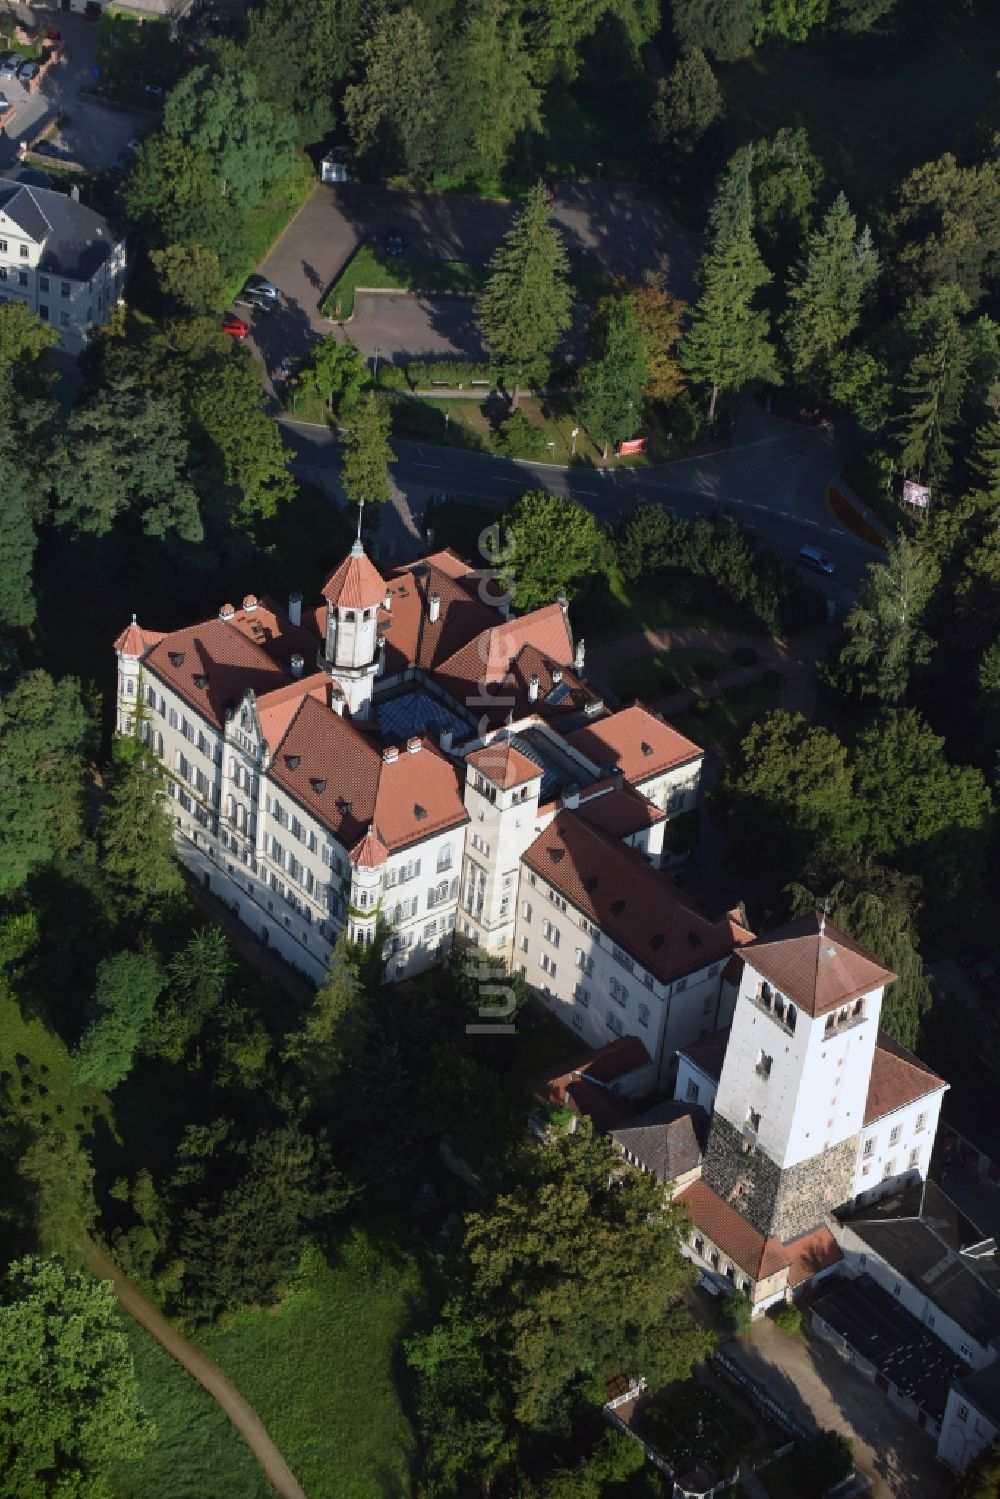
(354, 594)
(791, 1101)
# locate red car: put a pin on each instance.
(235, 326)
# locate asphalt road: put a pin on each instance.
(773, 478)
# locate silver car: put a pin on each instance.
(259, 286)
(10, 65)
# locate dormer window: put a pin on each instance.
(176, 658)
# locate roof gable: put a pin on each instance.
(897, 1078)
(636, 742)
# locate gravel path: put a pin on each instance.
(208, 1374)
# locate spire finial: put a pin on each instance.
(357, 550)
(134, 620)
(824, 913)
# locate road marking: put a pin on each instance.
(416, 464)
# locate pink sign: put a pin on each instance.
(633, 445)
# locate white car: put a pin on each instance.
(259, 286)
(10, 65)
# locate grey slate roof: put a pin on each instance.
(76, 240)
(667, 1139)
(926, 1239)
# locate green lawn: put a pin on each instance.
(459, 525)
(197, 1451)
(322, 1371)
(644, 676)
(727, 718)
(874, 112)
(371, 267)
(654, 604)
(264, 225)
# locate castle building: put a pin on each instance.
(408, 752)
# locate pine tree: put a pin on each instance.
(688, 103)
(393, 112)
(986, 455)
(490, 91)
(727, 345)
(18, 507)
(883, 638)
(526, 303)
(364, 471)
(933, 392)
(134, 833)
(827, 290)
(732, 207)
(613, 383)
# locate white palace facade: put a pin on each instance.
(411, 758)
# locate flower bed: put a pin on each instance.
(852, 519)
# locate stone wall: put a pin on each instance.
(784, 1203)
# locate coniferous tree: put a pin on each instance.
(722, 28)
(134, 833)
(613, 382)
(727, 345)
(688, 103)
(986, 455)
(525, 305)
(884, 637)
(490, 93)
(19, 507)
(44, 732)
(393, 112)
(932, 394)
(364, 470)
(827, 291)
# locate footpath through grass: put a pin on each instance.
(197, 1451)
(322, 1370)
(728, 717)
(664, 672)
(373, 269)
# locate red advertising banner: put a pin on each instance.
(633, 445)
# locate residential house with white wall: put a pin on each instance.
(61, 259)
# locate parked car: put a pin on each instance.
(255, 300)
(5, 104)
(10, 65)
(155, 90)
(130, 147)
(235, 326)
(817, 561)
(395, 244)
(27, 71)
(263, 288)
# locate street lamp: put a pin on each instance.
(447, 417)
(573, 434)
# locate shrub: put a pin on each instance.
(706, 671)
(737, 1311)
(669, 684)
(788, 1318)
(772, 678)
(701, 705)
(518, 436)
(745, 655)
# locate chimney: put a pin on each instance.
(570, 797)
(595, 708)
(250, 603)
(295, 608)
(578, 656)
(298, 665)
(556, 675)
(74, 193)
(387, 601)
(434, 609)
(414, 746)
(227, 612)
(390, 754)
(563, 603)
(532, 689)
(446, 739)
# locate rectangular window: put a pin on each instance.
(622, 957)
(619, 993)
(914, 1158)
(644, 1014)
(680, 986)
(64, 288)
(23, 251)
(692, 1091)
(614, 1024)
(3, 247)
(869, 1149)
(921, 1123)
(753, 1120)
(546, 964)
(890, 1170)
(965, 1350)
(581, 995)
(526, 910)
(43, 312)
(577, 1021)
(64, 320)
(22, 278)
(894, 1134)
(764, 1065)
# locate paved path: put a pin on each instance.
(208, 1374)
(795, 659)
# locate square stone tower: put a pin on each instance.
(791, 1099)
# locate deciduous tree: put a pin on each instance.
(218, 112)
(722, 28)
(981, 1479)
(338, 369)
(659, 316)
(525, 305)
(128, 986)
(300, 51)
(44, 732)
(551, 545)
(947, 227)
(173, 197)
(67, 1383)
(190, 277)
(240, 441)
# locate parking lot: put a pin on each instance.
(93, 134)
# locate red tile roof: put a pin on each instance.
(448, 561)
(584, 1083)
(496, 666)
(135, 641)
(337, 772)
(620, 812)
(356, 583)
(756, 1255)
(276, 709)
(709, 1053)
(638, 907)
(637, 742)
(411, 637)
(504, 764)
(371, 852)
(897, 1078)
(817, 965)
(733, 971)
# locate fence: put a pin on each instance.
(761, 1398)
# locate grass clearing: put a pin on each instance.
(263, 226)
(876, 111)
(727, 718)
(628, 608)
(459, 525)
(322, 1370)
(373, 269)
(644, 676)
(197, 1451)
